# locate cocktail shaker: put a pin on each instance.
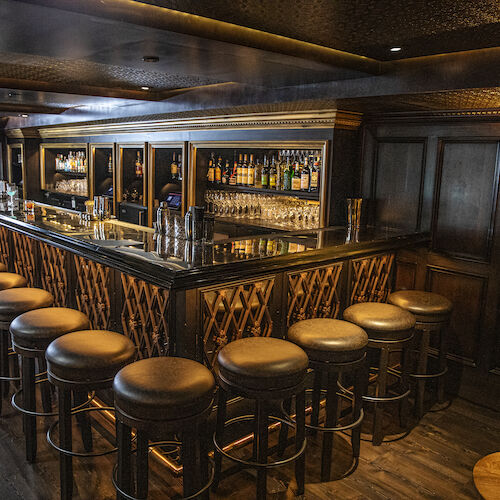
(163, 219)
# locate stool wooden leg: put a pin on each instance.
(262, 444)
(423, 353)
(65, 440)
(124, 445)
(219, 434)
(15, 361)
(300, 435)
(330, 421)
(190, 470)
(45, 389)
(441, 364)
(316, 398)
(141, 465)
(360, 384)
(204, 448)
(283, 436)
(381, 389)
(405, 384)
(4, 364)
(83, 419)
(29, 402)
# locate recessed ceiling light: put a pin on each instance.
(151, 59)
(144, 88)
(395, 49)
(12, 94)
(24, 115)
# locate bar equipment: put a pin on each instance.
(188, 218)
(208, 228)
(163, 219)
(197, 223)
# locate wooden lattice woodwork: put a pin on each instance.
(314, 293)
(144, 316)
(24, 257)
(4, 246)
(53, 273)
(92, 292)
(233, 312)
(371, 278)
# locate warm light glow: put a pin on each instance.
(145, 88)
(395, 49)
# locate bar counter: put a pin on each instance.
(173, 297)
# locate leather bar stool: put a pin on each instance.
(262, 369)
(432, 313)
(3, 267)
(390, 330)
(13, 302)
(12, 280)
(31, 333)
(82, 361)
(335, 348)
(161, 397)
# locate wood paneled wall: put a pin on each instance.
(444, 178)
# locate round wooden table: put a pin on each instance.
(486, 476)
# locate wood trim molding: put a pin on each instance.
(304, 119)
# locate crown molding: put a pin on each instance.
(302, 119)
(448, 115)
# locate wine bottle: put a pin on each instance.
(251, 172)
(174, 169)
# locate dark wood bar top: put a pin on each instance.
(239, 251)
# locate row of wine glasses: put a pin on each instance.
(72, 186)
(285, 211)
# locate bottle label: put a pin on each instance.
(232, 180)
(217, 175)
(250, 176)
(304, 182)
(210, 174)
(264, 180)
(244, 175)
(296, 183)
(272, 181)
(239, 176)
(314, 180)
(173, 168)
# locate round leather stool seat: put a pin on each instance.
(3, 267)
(36, 329)
(381, 321)
(88, 356)
(427, 307)
(331, 340)
(11, 280)
(262, 363)
(16, 301)
(165, 388)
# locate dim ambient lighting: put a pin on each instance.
(395, 49)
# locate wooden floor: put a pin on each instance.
(434, 461)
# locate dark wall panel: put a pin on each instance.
(398, 183)
(466, 198)
(467, 294)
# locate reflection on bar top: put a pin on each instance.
(233, 242)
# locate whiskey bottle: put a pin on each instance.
(251, 172)
(295, 177)
(314, 184)
(218, 171)
(239, 176)
(272, 174)
(110, 164)
(174, 169)
(258, 174)
(244, 171)
(305, 176)
(234, 174)
(138, 166)
(226, 173)
(211, 169)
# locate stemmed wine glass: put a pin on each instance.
(11, 191)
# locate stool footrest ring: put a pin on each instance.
(50, 430)
(378, 399)
(18, 407)
(429, 375)
(190, 497)
(248, 463)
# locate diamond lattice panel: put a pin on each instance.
(371, 279)
(313, 294)
(24, 257)
(145, 316)
(92, 292)
(234, 312)
(4, 246)
(53, 273)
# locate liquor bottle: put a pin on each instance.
(287, 175)
(174, 169)
(280, 171)
(211, 169)
(138, 165)
(265, 174)
(226, 173)
(234, 174)
(305, 176)
(258, 174)
(110, 164)
(272, 174)
(244, 171)
(239, 172)
(218, 171)
(314, 184)
(251, 172)
(295, 178)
